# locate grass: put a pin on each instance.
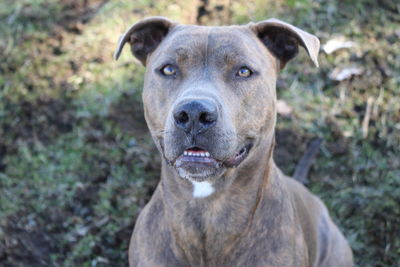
(77, 164)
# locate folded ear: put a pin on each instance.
(282, 40)
(144, 37)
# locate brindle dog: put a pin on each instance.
(210, 104)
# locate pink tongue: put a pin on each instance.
(196, 151)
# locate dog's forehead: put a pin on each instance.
(204, 33)
(191, 39)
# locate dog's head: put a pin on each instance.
(209, 93)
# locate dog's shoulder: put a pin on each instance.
(322, 236)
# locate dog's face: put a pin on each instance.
(209, 93)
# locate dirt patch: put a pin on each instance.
(41, 120)
(128, 113)
(26, 243)
(76, 13)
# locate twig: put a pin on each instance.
(367, 117)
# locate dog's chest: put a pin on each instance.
(227, 238)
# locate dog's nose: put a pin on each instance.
(196, 116)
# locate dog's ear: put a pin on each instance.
(144, 37)
(282, 40)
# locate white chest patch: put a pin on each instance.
(202, 189)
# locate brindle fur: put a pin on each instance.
(256, 216)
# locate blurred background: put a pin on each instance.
(76, 160)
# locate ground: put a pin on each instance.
(77, 164)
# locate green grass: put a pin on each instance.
(77, 164)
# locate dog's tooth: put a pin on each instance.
(190, 153)
(203, 154)
(185, 153)
(207, 154)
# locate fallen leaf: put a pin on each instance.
(340, 74)
(337, 43)
(283, 108)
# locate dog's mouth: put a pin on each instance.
(239, 157)
(199, 164)
(202, 156)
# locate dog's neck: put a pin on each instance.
(205, 227)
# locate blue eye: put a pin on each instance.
(244, 72)
(168, 70)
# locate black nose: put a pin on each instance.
(196, 116)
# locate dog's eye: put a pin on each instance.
(244, 72)
(168, 70)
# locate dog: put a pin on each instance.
(210, 104)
